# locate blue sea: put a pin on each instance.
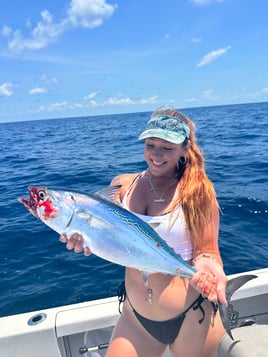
(84, 154)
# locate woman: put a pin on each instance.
(176, 196)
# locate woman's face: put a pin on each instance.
(162, 156)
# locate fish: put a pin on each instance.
(115, 234)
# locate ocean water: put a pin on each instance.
(84, 154)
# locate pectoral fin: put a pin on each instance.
(92, 221)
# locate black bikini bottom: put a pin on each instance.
(164, 331)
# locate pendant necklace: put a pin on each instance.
(149, 292)
(160, 198)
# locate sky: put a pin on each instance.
(72, 58)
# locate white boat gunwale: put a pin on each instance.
(61, 331)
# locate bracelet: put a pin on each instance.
(204, 255)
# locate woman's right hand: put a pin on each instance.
(75, 242)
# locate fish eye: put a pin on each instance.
(42, 195)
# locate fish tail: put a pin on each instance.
(232, 285)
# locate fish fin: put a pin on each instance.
(83, 214)
(232, 285)
(110, 193)
(93, 221)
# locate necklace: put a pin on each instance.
(150, 294)
(160, 198)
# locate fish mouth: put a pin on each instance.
(31, 203)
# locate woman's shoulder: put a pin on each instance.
(124, 179)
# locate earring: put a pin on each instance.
(181, 163)
(182, 160)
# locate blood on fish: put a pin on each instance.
(49, 211)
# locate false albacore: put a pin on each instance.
(115, 234)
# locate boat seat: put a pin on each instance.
(248, 341)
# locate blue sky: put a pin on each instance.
(68, 58)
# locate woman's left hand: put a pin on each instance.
(210, 280)
(75, 242)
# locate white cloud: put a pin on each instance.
(150, 100)
(93, 103)
(46, 32)
(89, 13)
(265, 90)
(48, 80)
(196, 39)
(6, 89)
(37, 90)
(212, 56)
(111, 101)
(208, 94)
(77, 106)
(6, 31)
(41, 109)
(57, 106)
(129, 101)
(80, 13)
(118, 101)
(190, 100)
(91, 95)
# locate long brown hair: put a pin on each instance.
(196, 191)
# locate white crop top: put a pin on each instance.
(173, 232)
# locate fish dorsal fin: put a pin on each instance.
(110, 193)
(92, 220)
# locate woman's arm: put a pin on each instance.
(210, 279)
(209, 244)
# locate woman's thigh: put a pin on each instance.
(199, 340)
(130, 339)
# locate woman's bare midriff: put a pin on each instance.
(164, 288)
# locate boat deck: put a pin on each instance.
(67, 331)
